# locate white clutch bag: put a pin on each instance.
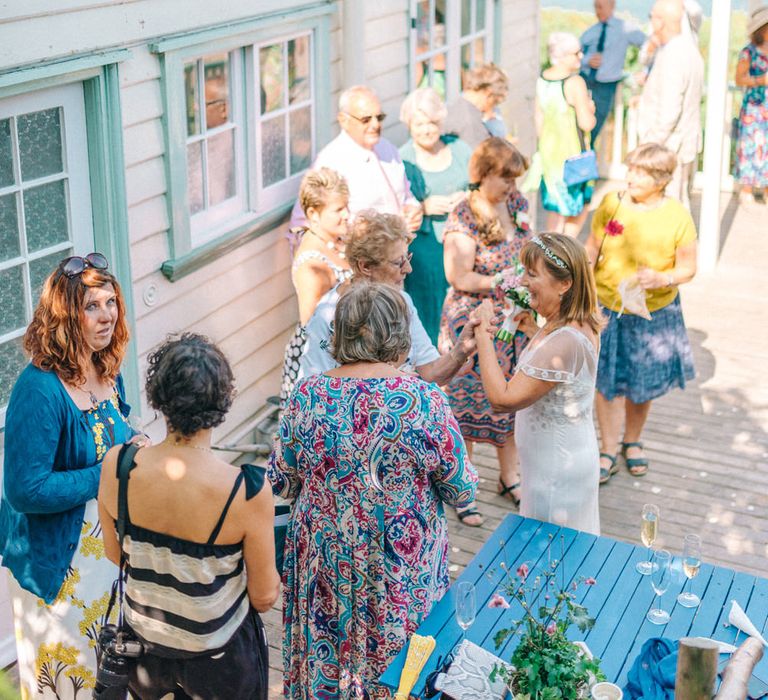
(468, 676)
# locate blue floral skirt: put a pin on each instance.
(641, 359)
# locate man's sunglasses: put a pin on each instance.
(75, 265)
(367, 119)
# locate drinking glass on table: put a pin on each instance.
(466, 606)
(660, 579)
(649, 526)
(691, 566)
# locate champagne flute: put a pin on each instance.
(660, 579)
(691, 566)
(649, 526)
(466, 606)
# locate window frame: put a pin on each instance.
(99, 75)
(454, 41)
(246, 37)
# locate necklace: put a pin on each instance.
(178, 442)
(337, 246)
(91, 396)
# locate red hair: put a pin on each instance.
(54, 339)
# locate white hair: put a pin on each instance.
(424, 100)
(560, 45)
(347, 97)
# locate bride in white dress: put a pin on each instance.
(553, 387)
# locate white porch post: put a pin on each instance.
(717, 87)
(353, 43)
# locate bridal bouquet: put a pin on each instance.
(517, 299)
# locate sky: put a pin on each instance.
(637, 8)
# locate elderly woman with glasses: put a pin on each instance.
(66, 410)
(565, 114)
(370, 453)
(437, 168)
(483, 237)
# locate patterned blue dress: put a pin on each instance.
(752, 144)
(370, 463)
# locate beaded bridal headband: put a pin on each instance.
(548, 252)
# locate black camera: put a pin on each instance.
(117, 651)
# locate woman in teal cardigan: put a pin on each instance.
(66, 410)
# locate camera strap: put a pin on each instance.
(125, 463)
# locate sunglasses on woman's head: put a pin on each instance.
(76, 265)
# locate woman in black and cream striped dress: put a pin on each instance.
(198, 545)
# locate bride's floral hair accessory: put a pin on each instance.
(548, 252)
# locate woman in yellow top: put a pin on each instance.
(649, 239)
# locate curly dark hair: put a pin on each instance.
(191, 383)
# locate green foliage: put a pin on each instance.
(547, 665)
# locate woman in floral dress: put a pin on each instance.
(752, 144)
(66, 410)
(483, 237)
(370, 454)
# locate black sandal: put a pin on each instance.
(506, 491)
(468, 512)
(637, 466)
(607, 472)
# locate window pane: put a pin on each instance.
(191, 98)
(298, 69)
(273, 151)
(478, 56)
(195, 177)
(216, 90)
(480, 16)
(271, 77)
(40, 143)
(438, 25)
(466, 17)
(422, 27)
(221, 167)
(434, 74)
(6, 156)
(12, 316)
(301, 139)
(45, 214)
(9, 228)
(12, 361)
(466, 58)
(40, 269)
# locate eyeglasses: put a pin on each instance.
(75, 265)
(367, 119)
(402, 262)
(442, 666)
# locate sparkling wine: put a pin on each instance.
(691, 567)
(650, 524)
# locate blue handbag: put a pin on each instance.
(581, 168)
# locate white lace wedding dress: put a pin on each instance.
(559, 456)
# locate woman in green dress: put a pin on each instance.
(437, 169)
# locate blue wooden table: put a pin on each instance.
(618, 601)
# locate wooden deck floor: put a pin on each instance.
(708, 445)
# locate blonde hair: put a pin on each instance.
(318, 186)
(656, 160)
(579, 303)
(371, 324)
(494, 156)
(486, 76)
(371, 236)
(426, 101)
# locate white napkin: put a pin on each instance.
(738, 618)
(722, 647)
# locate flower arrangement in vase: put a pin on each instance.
(546, 664)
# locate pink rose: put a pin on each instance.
(614, 228)
(498, 601)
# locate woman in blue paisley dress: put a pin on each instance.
(752, 75)
(370, 454)
(66, 410)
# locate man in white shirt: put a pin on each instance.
(370, 163)
(669, 112)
